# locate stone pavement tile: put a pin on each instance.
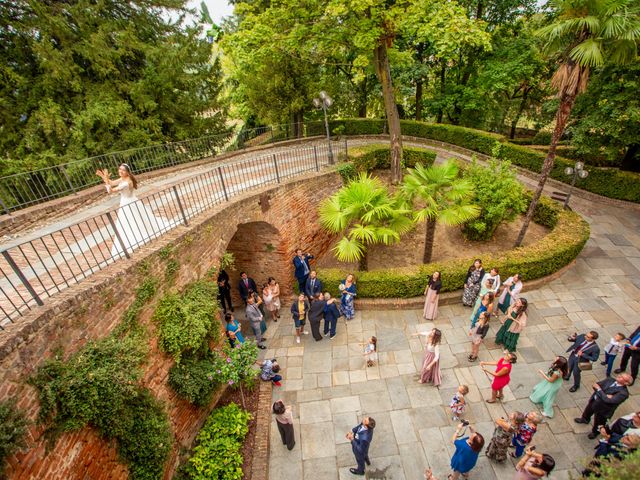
(505, 470)
(294, 362)
(484, 469)
(345, 404)
(577, 428)
(340, 378)
(307, 395)
(317, 362)
(344, 455)
(477, 412)
(280, 450)
(573, 448)
(295, 351)
(392, 339)
(373, 373)
(375, 402)
(343, 423)
(310, 381)
(552, 311)
(324, 379)
(336, 391)
(339, 364)
(428, 417)
(313, 439)
(434, 445)
(403, 426)
(370, 386)
(315, 412)
(406, 368)
(318, 468)
(340, 351)
(558, 424)
(292, 372)
(357, 363)
(398, 392)
(285, 467)
(292, 385)
(423, 395)
(356, 376)
(388, 371)
(414, 461)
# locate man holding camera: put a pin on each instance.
(302, 269)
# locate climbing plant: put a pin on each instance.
(13, 426)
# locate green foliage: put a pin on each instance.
(559, 248)
(171, 270)
(228, 261)
(99, 386)
(612, 468)
(144, 293)
(236, 365)
(13, 427)
(499, 196)
(602, 181)
(217, 454)
(543, 137)
(547, 211)
(378, 157)
(347, 172)
(187, 321)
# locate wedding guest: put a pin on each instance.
(510, 292)
(316, 315)
(477, 335)
(631, 352)
(502, 435)
(584, 351)
(611, 446)
(513, 324)
(484, 305)
(431, 365)
(233, 329)
(432, 293)
(255, 319)
(313, 285)
(472, 283)
(467, 451)
(267, 299)
(615, 346)
(607, 395)
(331, 315)
(487, 288)
(523, 436)
(348, 289)
(284, 420)
(370, 351)
(458, 403)
(269, 370)
(627, 424)
(502, 375)
(274, 291)
(302, 268)
(534, 465)
(299, 312)
(494, 274)
(545, 392)
(246, 285)
(360, 437)
(224, 291)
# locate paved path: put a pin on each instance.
(331, 389)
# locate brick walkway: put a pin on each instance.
(331, 389)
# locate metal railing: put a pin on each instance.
(39, 268)
(24, 189)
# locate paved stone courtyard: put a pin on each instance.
(331, 389)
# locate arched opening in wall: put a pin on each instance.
(258, 250)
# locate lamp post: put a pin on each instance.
(324, 102)
(577, 171)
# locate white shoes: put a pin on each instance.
(297, 339)
(305, 332)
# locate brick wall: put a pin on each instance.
(263, 228)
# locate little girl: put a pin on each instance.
(615, 346)
(371, 351)
(477, 334)
(458, 403)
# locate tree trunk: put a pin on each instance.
(479, 10)
(419, 84)
(443, 89)
(362, 107)
(514, 122)
(562, 116)
(393, 118)
(364, 261)
(629, 161)
(429, 238)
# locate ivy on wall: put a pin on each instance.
(13, 427)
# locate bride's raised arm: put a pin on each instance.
(104, 175)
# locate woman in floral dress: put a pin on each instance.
(472, 283)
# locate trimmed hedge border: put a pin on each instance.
(607, 182)
(375, 156)
(559, 248)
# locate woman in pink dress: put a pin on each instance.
(502, 375)
(431, 301)
(431, 365)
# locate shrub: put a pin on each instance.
(612, 468)
(543, 137)
(499, 195)
(347, 172)
(560, 247)
(217, 453)
(610, 183)
(193, 378)
(378, 156)
(13, 426)
(189, 320)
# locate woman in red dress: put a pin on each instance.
(501, 377)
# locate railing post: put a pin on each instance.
(346, 150)
(118, 237)
(22, 278)
(4, 207)
(64, 172)
(224, 187)
(275, 164)
(272, 136)
(184, 217)
(315, 156)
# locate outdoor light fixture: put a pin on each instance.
(577, 171)
(324, 102)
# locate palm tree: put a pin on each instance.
(444, 197)
(585, 34)
(366, 214)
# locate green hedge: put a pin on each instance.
(560, 247)
(378, 156)
(611, 183)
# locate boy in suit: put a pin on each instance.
(360, 438)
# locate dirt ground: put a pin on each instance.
(449, 243)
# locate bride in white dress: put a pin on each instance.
(135, 223)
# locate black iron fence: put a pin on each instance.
(24, 189)
(38, 268)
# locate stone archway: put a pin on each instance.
(258, 250)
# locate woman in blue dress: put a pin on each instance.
(348, 289)
(467, 452)
(233, 329)
(545, 392)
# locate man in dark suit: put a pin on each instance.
(224, 291)
(246, 285)
(316, 315)
(313, 286)
(631, 351)
(302, 269)
(607, 395)
(360, 438)
(584, 349)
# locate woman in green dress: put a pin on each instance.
(513, 324)
(510, 292)
(545, 392)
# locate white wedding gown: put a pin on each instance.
(136, 223)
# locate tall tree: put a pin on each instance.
(583, 34)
